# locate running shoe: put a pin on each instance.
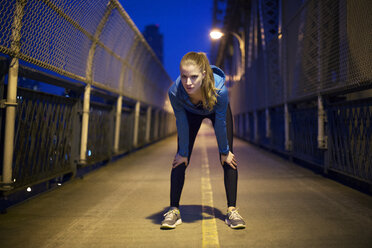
(172, 218)
(234, 220)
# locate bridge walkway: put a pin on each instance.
(122, 205)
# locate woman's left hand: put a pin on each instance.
(229, 159)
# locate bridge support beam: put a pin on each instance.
(268, 123)
(248, 126)
(89, 81)
(156, 126)
(322, 139)
(255, 119)
(136, 123)
(11, 102)
(84, 125)
(119, 105)
(287, 120)
(11, 109)
(148, 124)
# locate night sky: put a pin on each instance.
(185, 26)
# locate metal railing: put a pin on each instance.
(117, 88)
(307, 91)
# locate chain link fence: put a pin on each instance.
(75, 45)
(91, 41)
(307, 88)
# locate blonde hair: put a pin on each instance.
(209, 91)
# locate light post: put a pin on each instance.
(216, 34)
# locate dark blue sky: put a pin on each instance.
(185, 25)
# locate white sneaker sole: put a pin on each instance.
(239, 226)
(167, 226)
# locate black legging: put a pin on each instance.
(230, 175)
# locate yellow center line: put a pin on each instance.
(209, 228)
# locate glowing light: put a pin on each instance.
(89, 153)
(59, 184)
(216, 34)
(28, 189)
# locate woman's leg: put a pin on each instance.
(177, 181)
(178, 173)
(231, 184)
(230, 174)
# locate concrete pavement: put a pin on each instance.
(122, 205)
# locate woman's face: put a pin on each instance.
(191, 78)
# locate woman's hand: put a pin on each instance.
(229, 159)
(178, 159)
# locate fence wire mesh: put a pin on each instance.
(321, 47)
(303, 58)
(92, 41)
(327, 44)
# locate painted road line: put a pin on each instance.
(209, 228)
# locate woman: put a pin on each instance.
(200, 93)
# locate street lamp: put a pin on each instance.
(216, 34)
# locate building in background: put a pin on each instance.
(155, 40)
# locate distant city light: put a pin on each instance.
(59, 184)
(216, 34)
(28, 189)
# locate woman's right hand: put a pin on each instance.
(230, 160)
(178, 159)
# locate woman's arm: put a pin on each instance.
(221, 130)
(182, 128)
(220, 121)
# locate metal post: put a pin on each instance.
(248, 125)
(322, 144)
(242, 127)
(89, 80)
(236, 121)
(322, 140)
(255, 119)
(250, 39)
(84, 125)
(136, 122)
(11, 105)
(255, 30)
(148, 124)
(268, 123)
(119, 105)
(287, 120)
(242, 53)
(156, 126)
(11, 101)
(282, 39)
(161, 124)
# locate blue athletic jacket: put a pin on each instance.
(180, 102)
